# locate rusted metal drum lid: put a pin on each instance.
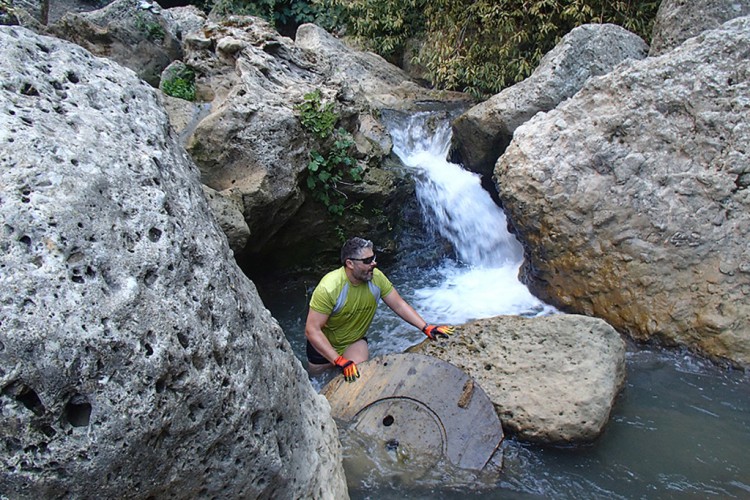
(421, 400)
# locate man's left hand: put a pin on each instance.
(435, 331)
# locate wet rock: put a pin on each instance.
(482, 133)
(630, 200)
(678, 20)
(552, 379)
(136, 359)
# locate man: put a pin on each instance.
(343, 305)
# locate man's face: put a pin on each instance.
(362, 271)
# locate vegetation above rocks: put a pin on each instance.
(482, 46)
(476, 46)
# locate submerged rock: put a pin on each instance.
(632, 201)
(136, 360)
(552, 379)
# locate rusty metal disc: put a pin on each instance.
(422, 402)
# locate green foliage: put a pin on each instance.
(280, 13)
(334, 165)
(180, 83)
(150, 28)
(384, 26)
(340, 234)
(482, 46)
(7, 13)
(317, 117)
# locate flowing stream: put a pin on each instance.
(680, 429)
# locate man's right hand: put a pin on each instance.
(348, 368)
(435, 331)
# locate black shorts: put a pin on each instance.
(314, 357)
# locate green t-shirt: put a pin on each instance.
(350, 308)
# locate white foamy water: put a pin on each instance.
(484, 282)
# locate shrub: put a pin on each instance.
(285, 15)
(334, 164)
(150, 27)
(179, 82)
(482, 46)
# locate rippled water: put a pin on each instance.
(680, 429)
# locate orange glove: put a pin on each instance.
(348, 367)
(433, 331)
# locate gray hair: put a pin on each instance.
(353, 248)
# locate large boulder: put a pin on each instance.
(552, 379)
(136, 360)
(131, 32)
(678, 20)
(482, 133)
(632, 199)
(251, 146)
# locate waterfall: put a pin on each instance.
(452, 199)
(483, 280)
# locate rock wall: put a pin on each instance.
(136, 360)
(131, 32)
(252, 146)
(632, 201)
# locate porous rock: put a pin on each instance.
(552, 379)
(228, 213)
(678, 20)
(632, 200)
(482, 133)
(136, 360)
(131, 32)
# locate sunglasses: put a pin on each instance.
(366, 260)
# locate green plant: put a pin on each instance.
(7, 13)
(485, 46)
(180, 82)
(281, 13)
(340, 234)
(150, 28)
(326, 172)
(334, 164)
(481, 46)
(317, 117)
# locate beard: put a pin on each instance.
(364, 275)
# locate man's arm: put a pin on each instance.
(403, 309)
(314, 333)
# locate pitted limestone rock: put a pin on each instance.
(132, 32)
(136, 360)
(632, 201)
(678, 20)
(552, 379)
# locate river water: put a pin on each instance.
(680, 428)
